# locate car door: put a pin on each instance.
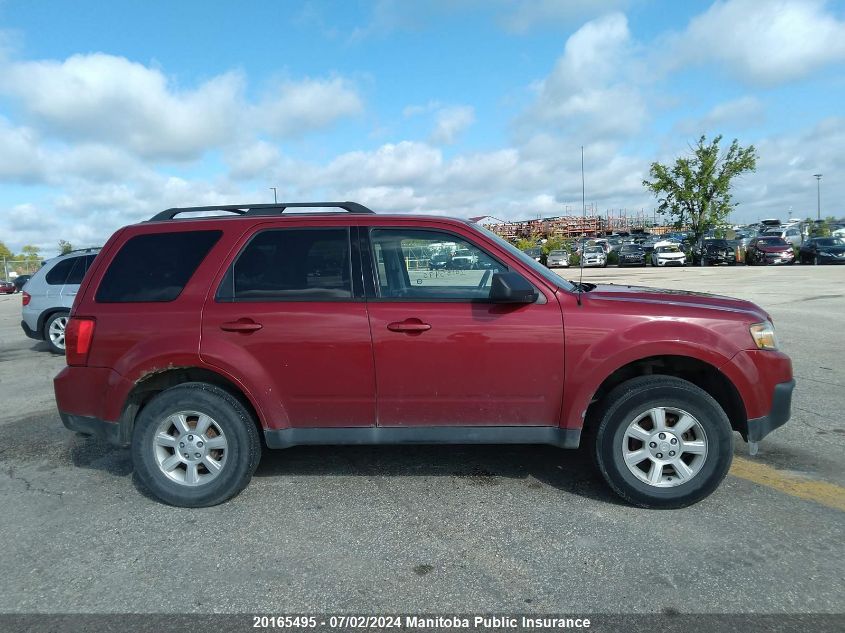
(287, 319)
(445, 355)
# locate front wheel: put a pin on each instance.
(662, 442)
(195, 445)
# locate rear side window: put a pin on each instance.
(155, 267)
(291, 265)
(58, 274)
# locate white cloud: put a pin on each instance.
(745, 111)
(405, 163)
(593, 89)
(295, 108)
(766, 42)
(253, 160)
(450, 122)
(520, 16)
(20, 157)
(108, 100)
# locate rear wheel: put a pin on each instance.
(195, 445)
(54, 332)
(662, 442)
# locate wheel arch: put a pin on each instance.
(47, 313)
(699, 372)
(155, 382)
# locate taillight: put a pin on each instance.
(78, 335)
(26, 297)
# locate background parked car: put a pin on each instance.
(558, 259)
(791, 234)
(595, 256)
(7, 287)
(822, 250)
(49, 296)
(21, 280)
(536, 254)
(631, 255)
(715, 251)
(438, 261)
(668, 254)
(769, 250)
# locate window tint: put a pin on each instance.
(77, 273)
(428, 265)
(59, 273)
(155, 267)
(291, 265)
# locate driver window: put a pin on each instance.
(431, 265)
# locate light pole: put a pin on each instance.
(818, 196)
(275, 200)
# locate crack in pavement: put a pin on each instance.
(30, 487)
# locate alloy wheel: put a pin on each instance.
(664, 447)
(190, 448)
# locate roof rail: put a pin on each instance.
(260, 209)
(81, 250)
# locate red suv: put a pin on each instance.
(192, 338)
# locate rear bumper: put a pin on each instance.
(758, 428)
(112, 432)
(30, 332)
(91, 396)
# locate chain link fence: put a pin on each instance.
(11, 268)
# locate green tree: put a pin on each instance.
(696, 190)
(30, 254)
(5, 253)
(65, 247)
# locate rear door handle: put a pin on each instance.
(241, 325)
(408, 325)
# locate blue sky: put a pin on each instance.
(112, 111)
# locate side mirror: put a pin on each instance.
(511, 288)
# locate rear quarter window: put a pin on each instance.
(155, 267)
(59, 273)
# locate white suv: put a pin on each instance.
(49, 295)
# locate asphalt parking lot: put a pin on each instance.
(438, 529)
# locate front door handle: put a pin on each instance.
(241, 325)
(411, 326)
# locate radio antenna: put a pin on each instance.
(583, 224)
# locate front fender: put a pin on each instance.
(594, 353)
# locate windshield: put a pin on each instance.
(630, 248)
(831, 241)
(557, 253)
(772, 241)
(668, 249)
(547, 274)
(594, 249)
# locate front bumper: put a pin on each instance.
(758, 428)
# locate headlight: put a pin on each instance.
(764, 335)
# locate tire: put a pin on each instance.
(231, 435)
(54, 332)
(707, 461)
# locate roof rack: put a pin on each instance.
(81, 250)
(261, 209)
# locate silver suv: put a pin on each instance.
(49, 294)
